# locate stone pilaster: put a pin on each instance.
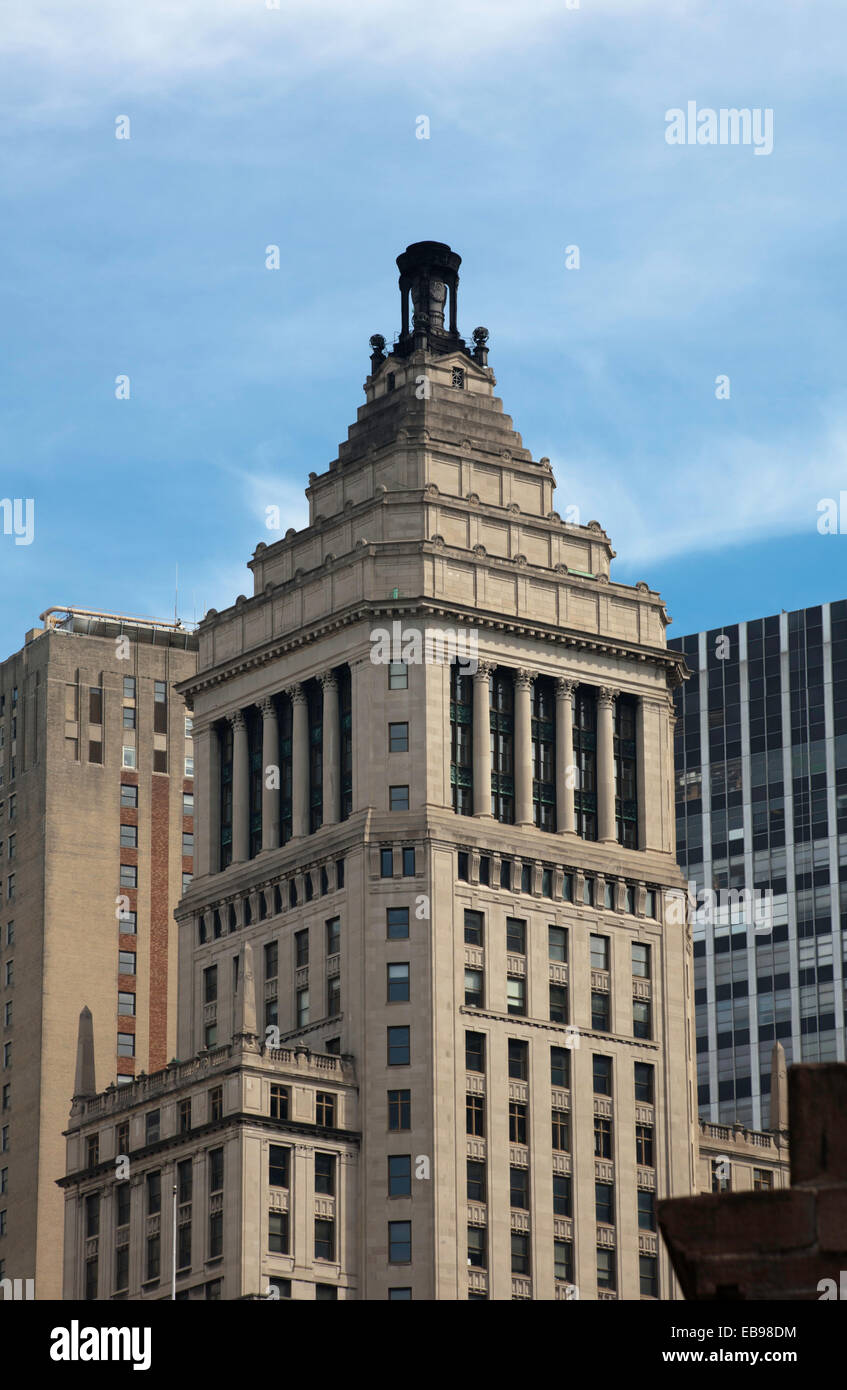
(482, 740)
(523, 748)
(270, 773)
(331, 751)
(299, 761)
(606, 765)
(565, 775)
(240, 789)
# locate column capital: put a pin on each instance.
(329, 680)
(267, 707)
(483, 670)
(607, 695)
(565, 686)
(296, 694)
(236, 719)
(524, 679)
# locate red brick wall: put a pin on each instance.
(159, 829)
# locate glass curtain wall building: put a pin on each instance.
(761, 806)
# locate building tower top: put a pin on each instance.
(429, 276)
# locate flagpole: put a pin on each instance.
(173, 1252)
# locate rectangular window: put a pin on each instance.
(92, 1215)
(399, 1110)
(644, 1082)
(721, 1175)
(333, 996)
(129, 796)
(95, 704)
(398, 676)
(477, 1255)
(183, 1250)
(475, 1051)
(520, 1252)
(216, 1103)
(516, 936)
(216, 1170)
(519, 1188)
(399, 1175)
(473, 928)
(560, 1066)
(602, 1137)
(557, 943)
(516, 994)
(126, 1044)
(152, 1128)
(599, 952)
(324, 1239)
(122, 1204)
(271, 960)
(129, 687)
(398, 738)
(399, 1242)
(129, 837)
(558, 1003)
(278, 1232)
(129, 876)
(604, 1202)
(606, 1275)
(646, 1211)
(398, 983)
(333, 936)
(325, 1108)
(648, 1274)
(302, 1002)
(128, 757)
(216, 1234)
(129, 716)
(154, 1193)
(398, 1047)
(188, 803)
(518, 1059)
(128, 922)
(641, 960)
(762, 1179)
(642, 1026)
(301, 948)
(474, 988)
(398, 798)
(562, 1195)
(517, 1122)
(126, 962)
(561, 1130)
(279, 1160)
(600, 1011)
(325, 1174)
(563, 1260)
(185, 1181)
(279, 1102)
(187, 842)
(476, 1188)
(408, 861)
(644, 1145)
(602, 1069)
(475, 1114)
(210, 984)
(397, 923)
(386, 863)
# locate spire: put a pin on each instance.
(779, 1090)
(84, 1085)
(245, 998)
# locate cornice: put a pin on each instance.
(673, 662)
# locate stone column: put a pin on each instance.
(240, 789)
(207, 804)
(606, 765)
(270, 773)
(331, 751)
(482, 740)
(565, 770)
(299, 761)
(523, 748)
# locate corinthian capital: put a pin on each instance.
(328, 680)
(524, 679)
(607, 695)
(296, 694)
(565, 686)
(267, 707)
(483, 670)
(236, 719)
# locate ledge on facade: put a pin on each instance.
(737, 1134)
(173, 1077)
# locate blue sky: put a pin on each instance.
(253, 126)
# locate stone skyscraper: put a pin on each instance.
(444, 870)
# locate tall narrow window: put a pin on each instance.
(314, 695)
(345, 746)
(160, 707)
(543, 753)
(254, 745)
(285, 718)
(626, 793)
(585, 758)
(502, 719)
(461, 740)
(226, 794)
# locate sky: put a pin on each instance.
(253, 126)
